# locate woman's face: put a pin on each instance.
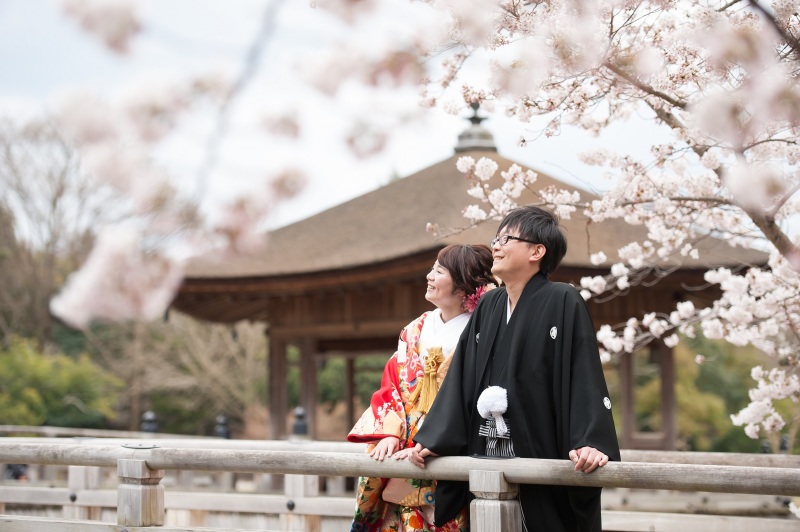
(440, 288)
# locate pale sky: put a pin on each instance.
(44, 54)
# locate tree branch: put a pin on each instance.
(643, 86)
(764, 221)
(772, 232)
(793, 43)
(252, 61)
(729, 4)
(787, 195)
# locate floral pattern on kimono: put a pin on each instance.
(391, 413)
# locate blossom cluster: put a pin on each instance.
(136, 265)
(115, 22)
(760, 414)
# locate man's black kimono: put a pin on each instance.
(547, 359)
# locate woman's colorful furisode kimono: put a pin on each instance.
(395, 411)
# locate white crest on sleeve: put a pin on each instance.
(553, 333)
(402, 349)
(476, 337)
(607, 402)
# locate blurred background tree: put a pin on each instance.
(368, 370)
(50, 388)
(712, 379)
(49, 209)
(186, 371)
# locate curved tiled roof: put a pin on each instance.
(389, 223)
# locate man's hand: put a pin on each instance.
(587, 459)
(402, 454)
(385, 447)
(417, 455)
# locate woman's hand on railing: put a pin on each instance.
(587, 459)
(417, 455)
(385, 448)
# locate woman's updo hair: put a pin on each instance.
(470, 266)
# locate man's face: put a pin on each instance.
(512, 258)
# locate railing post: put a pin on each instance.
(335, 486)
(300, 486)
(495, 506)
(80, 479)
(140, 496)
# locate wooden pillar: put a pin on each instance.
(308, 383)
(350, 391)
(80, 479)
(626, 396)
(668, 407)
(278, 388)
(140, 495)
(337, 486)
(495, 506)
(631, 437)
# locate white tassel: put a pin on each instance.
(502, 430)
(493, 403)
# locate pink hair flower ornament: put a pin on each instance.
(472, 301)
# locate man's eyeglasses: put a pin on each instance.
(503, 240)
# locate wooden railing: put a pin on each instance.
(140, 496)
(54, 432)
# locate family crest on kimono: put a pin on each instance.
(526, 381)
(411, 379)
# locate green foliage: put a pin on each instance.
(184, 412)
(40, 388)
(701, 416)
(368, 372)
(70, 341)
(330, 382)
(705, 394)
(293, 375)
(726, 373)
(726, 369)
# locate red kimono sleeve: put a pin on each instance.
(386, 414)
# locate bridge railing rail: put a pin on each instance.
(140, 467)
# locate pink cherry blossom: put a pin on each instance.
(119, 281)
(115, 22)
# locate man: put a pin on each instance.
(535, 339)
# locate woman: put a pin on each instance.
(411, 378)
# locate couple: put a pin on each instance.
(532, 339)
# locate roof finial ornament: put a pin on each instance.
(475, 119)
(475, 137)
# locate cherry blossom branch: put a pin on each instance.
(772, 232)
(729, 4)
(680, 199)
(251, 64)
(764, 221)
(643, 86)
(793, 43)
(789, 313)
(766, 141)
(787, 195)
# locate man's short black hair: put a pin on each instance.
(540, 226)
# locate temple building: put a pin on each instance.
(344, 282)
